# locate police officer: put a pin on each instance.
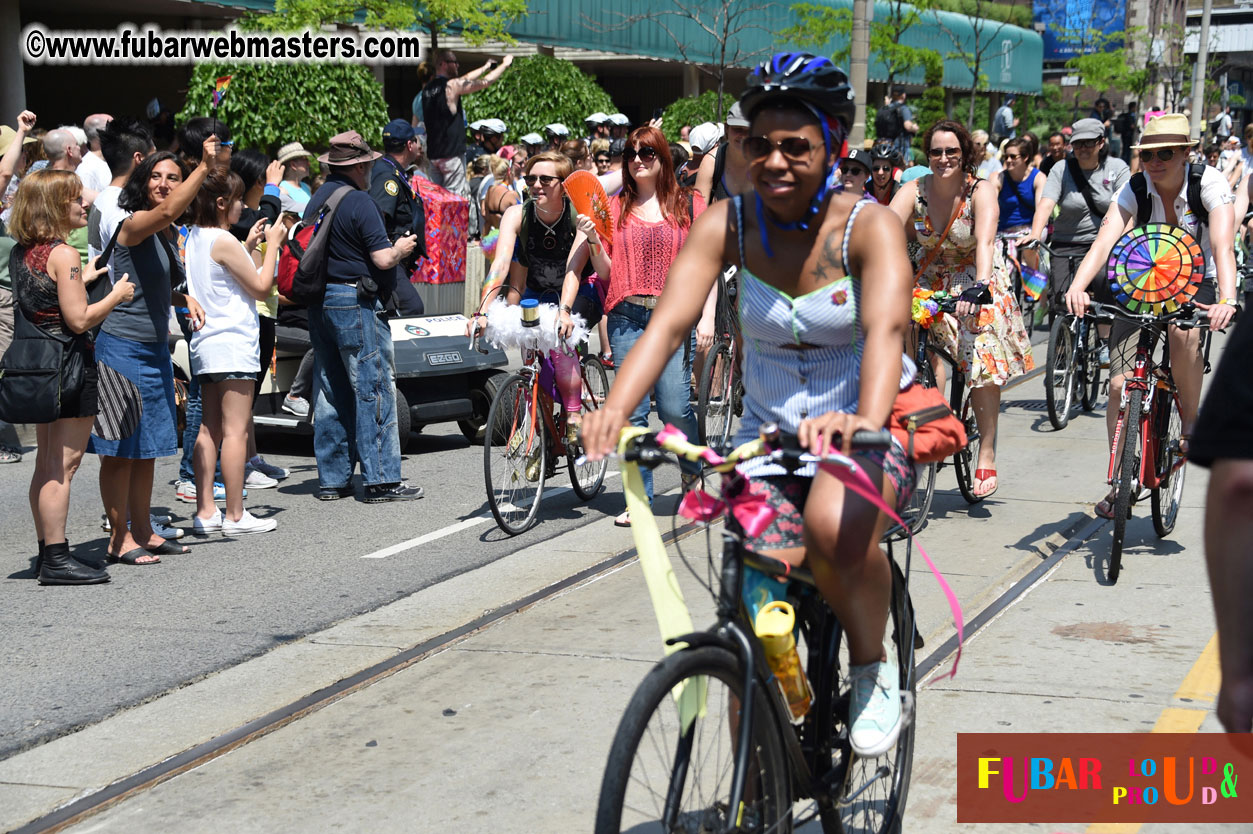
(403, 211)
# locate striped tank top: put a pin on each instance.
(785, 384)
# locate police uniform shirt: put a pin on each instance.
(402, 208)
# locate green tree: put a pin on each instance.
(692, 110)
(929, 107)
(986, 32)
(538, 90)
(268, 105)
(819, 25)
(477, 20)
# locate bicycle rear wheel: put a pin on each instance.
(1168, 426)
(1059, 373)
(873, 791)
(966, 461)
(661, 778)
(1089, 374)
(715, 404)
(515, 456)
(588, 477)
(1125, 481)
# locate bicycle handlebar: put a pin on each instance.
(1186, 317)
(647, 449)
(978, 294)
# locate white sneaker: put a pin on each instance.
(298, 406)
(256, 479)
(205, 526)
(248, 523)
(260, 464)
(874, 707)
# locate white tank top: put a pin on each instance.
(229, 340)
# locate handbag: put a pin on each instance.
(38, 370)
(924, 424)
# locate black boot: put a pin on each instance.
(39, 558)
(60, 568)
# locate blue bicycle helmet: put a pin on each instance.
(823, 88)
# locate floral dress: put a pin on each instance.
(992, 348)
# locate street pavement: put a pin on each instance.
(507, 728)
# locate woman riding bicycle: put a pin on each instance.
(548, 263)
(824, 309)
(1021, 188)
(1081, 188)
(1163, 151)
(953, 215)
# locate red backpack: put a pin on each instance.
(302, 263)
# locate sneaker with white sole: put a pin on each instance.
(256, 479)
(263, 466)
(160, 526)
(185, 491)
(874, 707)
(248, 524)
(205, 526)
(297, 406)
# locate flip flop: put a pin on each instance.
(168, 548)
(132, 557)
(1104, 508)
(984, 475)
(623, 520)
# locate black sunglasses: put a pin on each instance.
(604, 159)
(856, 171)
(1162, 154)
(881, 168)
(794, 148)
(1085, 144)
(646, 154)
(546, 180)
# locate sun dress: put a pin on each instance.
(990, 349)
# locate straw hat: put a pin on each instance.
(1170, 130)
(7, 135)
(292, 150)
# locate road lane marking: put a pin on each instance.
(1200, 686)
(466, 524)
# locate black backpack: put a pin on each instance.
(888, 123)
(1144, 205)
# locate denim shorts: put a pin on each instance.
(227, 376)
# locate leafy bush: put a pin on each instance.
(267, 105)
(929, 107)
(694, 110)
(539, 90)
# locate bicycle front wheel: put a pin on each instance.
(715, 404)
(915, 514)
(966, 461)
(1165, 498)
(515, 456)
(588, 477)
(663, 778)
(1125, 480)
(1059, 373)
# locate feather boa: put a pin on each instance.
(505, 330)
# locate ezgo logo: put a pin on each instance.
(1103, 777)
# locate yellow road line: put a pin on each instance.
(1200, 687)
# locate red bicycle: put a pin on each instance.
(1146, 453)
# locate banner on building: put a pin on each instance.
(1068, 25)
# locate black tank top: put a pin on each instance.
(446, 132)
(547, 248)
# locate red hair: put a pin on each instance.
(670, 196)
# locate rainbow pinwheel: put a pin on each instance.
(1155, 268)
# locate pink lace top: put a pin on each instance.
(642, 253)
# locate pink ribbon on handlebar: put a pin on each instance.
(753, 512)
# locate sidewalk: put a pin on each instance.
(509, 728)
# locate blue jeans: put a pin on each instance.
(673, 390)
(354, 404)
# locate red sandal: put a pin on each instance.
(983, 475)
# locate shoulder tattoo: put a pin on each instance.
(74, 273)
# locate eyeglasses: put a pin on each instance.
(1012, 157)
(646, 154)
(793, 148)
(1085, 144)
(602, 160)
(1162, 154)
(78, 200)
(879, 169)
(546, 180)
(936, 153)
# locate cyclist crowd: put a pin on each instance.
(830, 244)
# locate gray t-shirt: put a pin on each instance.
(1074, 223)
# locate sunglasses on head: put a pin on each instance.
(1162, 154)
(546, 180)
(794, 148)
(646, 154)
(936, 153)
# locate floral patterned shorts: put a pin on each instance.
(787, 494)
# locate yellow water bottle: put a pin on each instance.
(774, 625)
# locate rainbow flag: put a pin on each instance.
(1033, 282)
(219, 89)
